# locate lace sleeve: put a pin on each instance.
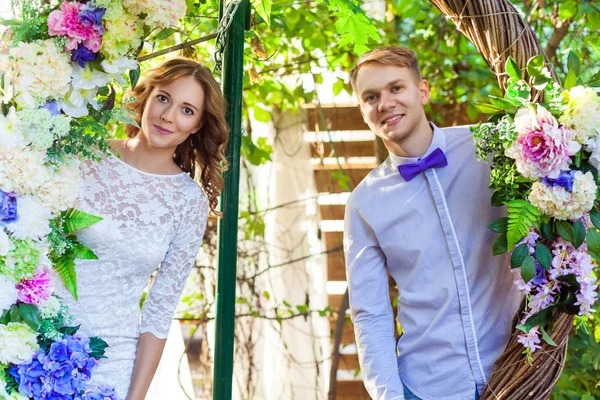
(165, 292)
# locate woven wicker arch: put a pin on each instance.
(497, 30)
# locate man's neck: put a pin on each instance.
(416, 144)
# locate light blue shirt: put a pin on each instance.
(456, 300)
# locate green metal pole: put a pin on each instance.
(228, 229)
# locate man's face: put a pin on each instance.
(391, 101)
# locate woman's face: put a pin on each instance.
(172, 113)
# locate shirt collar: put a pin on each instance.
(438, 140)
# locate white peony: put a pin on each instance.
(6, 244)
(8, 294)
(33, 219)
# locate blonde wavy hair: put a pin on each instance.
(203, 151)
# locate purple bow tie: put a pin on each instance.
(435, 159)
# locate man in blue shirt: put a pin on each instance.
(422, 217)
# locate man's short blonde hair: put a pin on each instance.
(396, 56)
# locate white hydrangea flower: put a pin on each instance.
(6, 244)
(33, 219)
(582, 113)
(18, 343)
(8, 294)
(61, 189)
(22, 170)
(561, 204)
(34, 72)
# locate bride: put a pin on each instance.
(153, 213)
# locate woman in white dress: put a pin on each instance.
(154, 213)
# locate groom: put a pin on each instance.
(422, 217)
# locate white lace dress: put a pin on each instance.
(148, 220)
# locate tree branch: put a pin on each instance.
(560, 31)
(177, 47)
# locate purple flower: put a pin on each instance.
(8, 207)
(565, 180)
(92, 16)
(102, 393)
(58, 352)
(540, 275)
(53, 107)
(82, 55)
(62, 377)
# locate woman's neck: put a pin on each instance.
(140, 154)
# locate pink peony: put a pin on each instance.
(542, 148)
(36, 290)
(66, 22)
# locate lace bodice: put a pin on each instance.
(148, 220)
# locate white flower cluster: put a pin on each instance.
(561, 204)
(34, 72)
(582, 113)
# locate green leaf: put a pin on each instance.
(517, 257)
(512, 68)
(541, 82)
(565, 230)
(162, 35)
(69, 330)
(547, 232)
(499, 225)
(593, 240)
(15, 314)
(573, 63)
(263, 8)
(570, 80)
(98, 347)
(134, 76)
(594, 78)
(543, 255)
(595, 217)
(521, 216)
(65, 267)
(528, 268)
(486, 108)
(541, 318)
(30, 315)
(567, 9)
(578, 234)
(261, 114)
(499, 246)
(267, 295)
(75, 220)
(547, 337)
(124, 115)
(535, 65)
(302, 308)
(82, 251)
(504, 104)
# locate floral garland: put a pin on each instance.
(57, 72)
(545, 160)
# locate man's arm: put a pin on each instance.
(371, 310)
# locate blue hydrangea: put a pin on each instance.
(61, 373)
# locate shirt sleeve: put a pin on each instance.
(371, 309)
(165, 292)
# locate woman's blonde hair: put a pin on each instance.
(205, 149)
